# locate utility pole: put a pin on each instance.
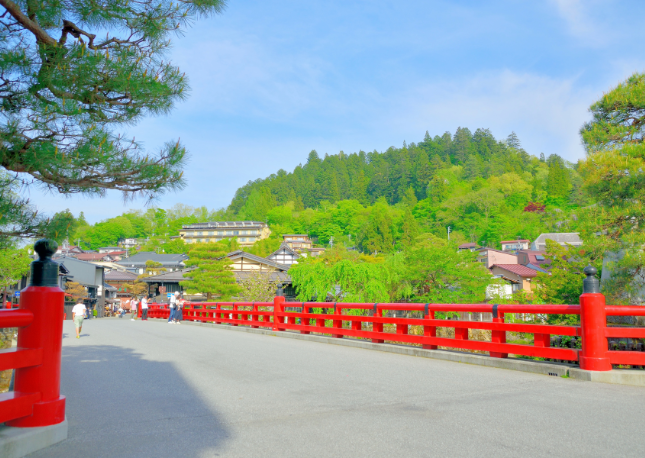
(449, 230)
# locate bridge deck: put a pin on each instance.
(149, 389)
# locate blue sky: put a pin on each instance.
(273, 79)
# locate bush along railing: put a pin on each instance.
(371, 322)
(35, 400)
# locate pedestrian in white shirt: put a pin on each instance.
(78, 313)
(172, 306)
(144, 309)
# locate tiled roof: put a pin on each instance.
(244, 254)
(534, 267)
(284, 246)
(115, 275)
(559, 237)
(140, 259)
(92, 256)
(518, 269)
(273, 276)
(167, 277)
(469, 245)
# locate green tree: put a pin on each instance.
(344, 280)
(65, 91)
(257, 287)
(613, 178)
(212, 274)
(409, 228)
(440, 273)
(14, 264)
(558, 182)
(61, 226)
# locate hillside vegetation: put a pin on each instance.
(486, 190)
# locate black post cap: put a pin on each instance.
(590, 284)
(44, 271)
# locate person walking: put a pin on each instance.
(133, 309)
(144, 309)
(78, 313)
(173, 306)
(179, 313)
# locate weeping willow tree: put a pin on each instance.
(71, 73)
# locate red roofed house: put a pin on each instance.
(89, 257)
(533, 258)
(514, 245)
(490, 257)
(520, 277)
(468, 246)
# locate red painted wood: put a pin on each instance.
(429, 331)
(624, 310)
(16, 405)
(15, 318)
(14, 358)
(636, 358)
(625, 332)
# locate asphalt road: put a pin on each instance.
(149, 389)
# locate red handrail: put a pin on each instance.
(370, 324)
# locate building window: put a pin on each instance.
(229, 232)
(517, 286)
(211, 233)
(236, 232)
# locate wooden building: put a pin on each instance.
(284, 255)
(247, 232)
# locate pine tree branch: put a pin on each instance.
(23, 19)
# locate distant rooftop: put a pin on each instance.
(518, 269)
(224, 224)
(513, 241)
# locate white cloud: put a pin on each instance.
(545, 112)
(580, 25)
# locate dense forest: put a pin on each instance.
(486, 190)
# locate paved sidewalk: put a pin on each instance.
(149, 389)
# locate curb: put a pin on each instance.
(18, 442)
(615, 377)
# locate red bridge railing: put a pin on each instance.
(36, 399)
(369, 321)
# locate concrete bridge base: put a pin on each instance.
(19, 442)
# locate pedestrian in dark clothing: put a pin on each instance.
(179, 313)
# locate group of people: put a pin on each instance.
(176, 308)
(176, 305)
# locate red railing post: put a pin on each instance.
(337, 324)
(45, 300)
(305, 321)
(278, 303)
(254, 317)
(429, 331)
(593, 322)
(498, 336)
(377, 327)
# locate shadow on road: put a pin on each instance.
(120, 405)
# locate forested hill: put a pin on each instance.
(484, 189)
(422, 167)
